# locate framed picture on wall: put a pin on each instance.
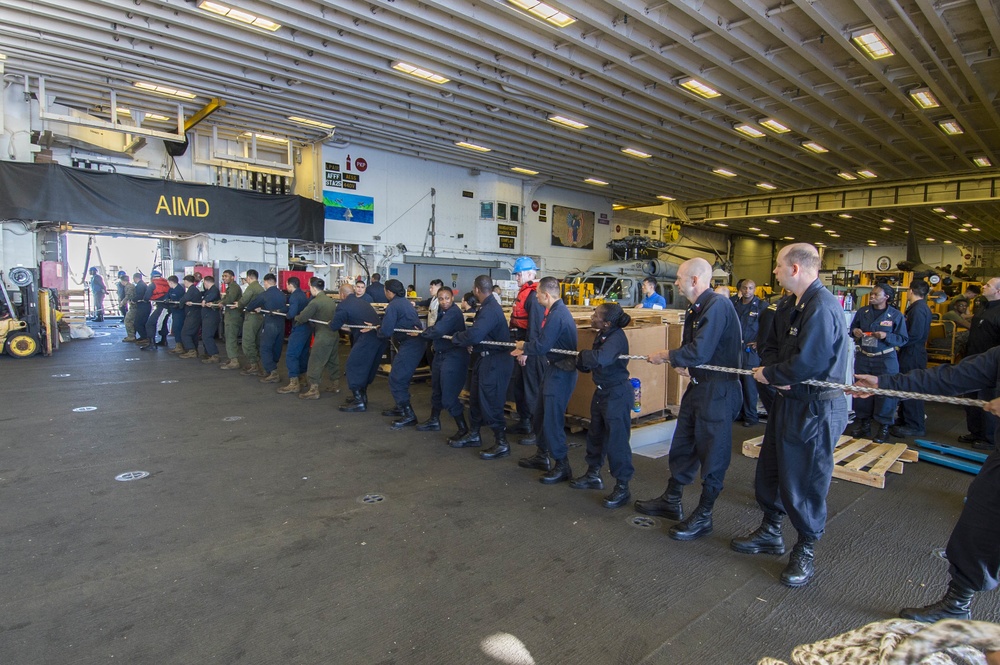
(572, 227)
(486, 210)
(501, 211)
(514, 213)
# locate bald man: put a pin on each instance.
(796, 457)
(703, 438)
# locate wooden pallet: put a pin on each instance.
(858, 460)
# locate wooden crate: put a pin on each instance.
(676, 384)
(668, 316)
(860, 461)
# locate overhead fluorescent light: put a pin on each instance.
(939, 210)
(519, 169)
(930, 239)
(762, 235)
(947, 242)
(545, 12)
(472, 146)
(865, 173)
(889, 221)
(419, 72)
(567, 122)
(772, 221)
(164, 90)
(722, 224)
(967, 225)
(309, 122)
(975, 228)
(636, 153)
(725, 173)
(265, 137)
(846, 175)
(951, 216)
(749, 130)
(2, 56)
(924, 98)
(766, 186)
(595, 181)
(950, 127)
(884, 228)
(872, 44)
(816, 225)
(617, 206)
(699, 88)
(844, 215)
(982, 161)
(238, 15)
(664, 197)
(754, 228)
(812, 146)
(774, 126)
(963, 230)
(834, 235)
(147, 116)
(788, 238)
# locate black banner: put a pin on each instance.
(53, 193)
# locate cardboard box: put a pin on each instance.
(643, 339)
(676, 384)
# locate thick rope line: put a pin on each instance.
(900, 394)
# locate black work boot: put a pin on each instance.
(560, 473)
(470, 439)
(406, 419)
(862, 429)
(882, 435)
(540, 460)
(667, 505)
(357, 404)
(590, 480)
(619, 496)
(394, 412)
(522, 427)
(699, 523)
(432, 424)
(954, 605)
(765, 539)
(500, 447)
(800, 570)
(463, 428)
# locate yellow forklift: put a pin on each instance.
(20, 325)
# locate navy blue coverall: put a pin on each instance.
(297, 354)
(399, 313)
(192, 318)
(272, 335)
(984, 334)
(611, 406)
(527, 380)
(176, 311)
(491, 365)
(451, 363)
(749, 316)
(704, 436)
(795, 466)
(878, 356)
(142, 307)
(973, 550)
(769, 322)
(913, 355)
(210, 321)
(558, 332)
(376, 291)
(366, 347)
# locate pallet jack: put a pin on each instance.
(21, 334)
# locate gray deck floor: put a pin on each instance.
(249, 542)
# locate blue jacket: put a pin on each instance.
(353, 311)
(984, 333)
(272, 299)
(918, 329)
(449, 322)
(712, 336)
(889, 320)
(979, 372)
(174, 295)
(603, 361)
(654, 299)
(809, 342)
(140, 291)
(297, 301)
(749, 316)
(376, 290)
(558, 332)
(399, 313)
(489, 324)
(193, 294)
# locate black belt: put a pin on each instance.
(613, 385)
(824, 396)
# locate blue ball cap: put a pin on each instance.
(122, 273)
(156, 273)
(524, 263)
